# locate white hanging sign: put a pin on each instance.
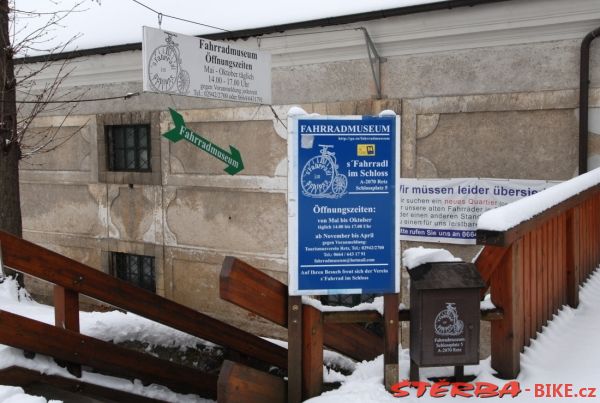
(188, 65)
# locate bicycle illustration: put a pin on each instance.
(164, 68)
(320, 177)
(447, 322)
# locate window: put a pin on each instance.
(128, 147)
(347, 299)
(137, 269)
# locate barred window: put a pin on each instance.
(136, 269)
(346, 299)
(128, 147)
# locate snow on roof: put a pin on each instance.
(415, 257)
(118, 22)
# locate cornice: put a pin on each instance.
(495, 24)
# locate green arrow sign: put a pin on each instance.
(232, 159)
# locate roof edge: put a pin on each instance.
(247, 33)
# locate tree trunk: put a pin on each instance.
(10, 152)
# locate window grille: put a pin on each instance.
(136, 269)
(128, 147)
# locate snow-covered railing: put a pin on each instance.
(538, 250)
(64, 341)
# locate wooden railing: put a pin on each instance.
(72, 278)
(536, 266)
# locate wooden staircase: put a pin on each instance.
(64, 342)
(240, 284)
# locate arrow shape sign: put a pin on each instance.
(232, 159)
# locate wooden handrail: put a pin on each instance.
(487, 262)
(238, 383)
(18, 376)
(507, 237)
(255, 291)
(42, 263)
(536, 267)
(31, 335)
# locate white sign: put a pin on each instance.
(447, 210)
(187, 65)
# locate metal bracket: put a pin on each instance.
(375, 60)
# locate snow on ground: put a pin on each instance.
(116, 326)
(567, 352)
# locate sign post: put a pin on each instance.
(343, 205)
(343, 228)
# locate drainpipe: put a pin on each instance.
(584, 89)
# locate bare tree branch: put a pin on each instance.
(37, 95)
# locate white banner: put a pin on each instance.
(187, 65)
(447, 210)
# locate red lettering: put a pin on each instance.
(512, 388)
(485, 389)
(421, 387)
(397, 388)
(569, 390)
(556, 390)
(583, 392)
(460, 389)
(438, 389)
(539, 390)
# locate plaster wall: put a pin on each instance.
(494, 99)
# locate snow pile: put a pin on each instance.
(296, 111)
(414, 257)
(15, 394)
(566, 352)
(376, 305)
(511, 215)
(108, 326)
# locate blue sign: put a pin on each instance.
(343, 203)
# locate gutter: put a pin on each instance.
(248, 33)
(584, 90)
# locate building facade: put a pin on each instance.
(484, 91)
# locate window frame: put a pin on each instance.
(111, 147)
(121, 261)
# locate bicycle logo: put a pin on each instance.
(320, 177)
(447, 322)
(164, 68)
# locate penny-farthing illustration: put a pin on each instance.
(164, 68)
(447, 322)
(320, 177)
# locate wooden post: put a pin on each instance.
(294, 394)
(507, 294)
(66, 316)
(238, 383)
(390, 340)
(572, 260)
(459, 373)
(312, 352)
(414, 371)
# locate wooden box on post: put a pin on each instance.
(444, 314)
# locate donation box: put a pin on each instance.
(444, 314)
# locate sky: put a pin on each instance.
(113, 22)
